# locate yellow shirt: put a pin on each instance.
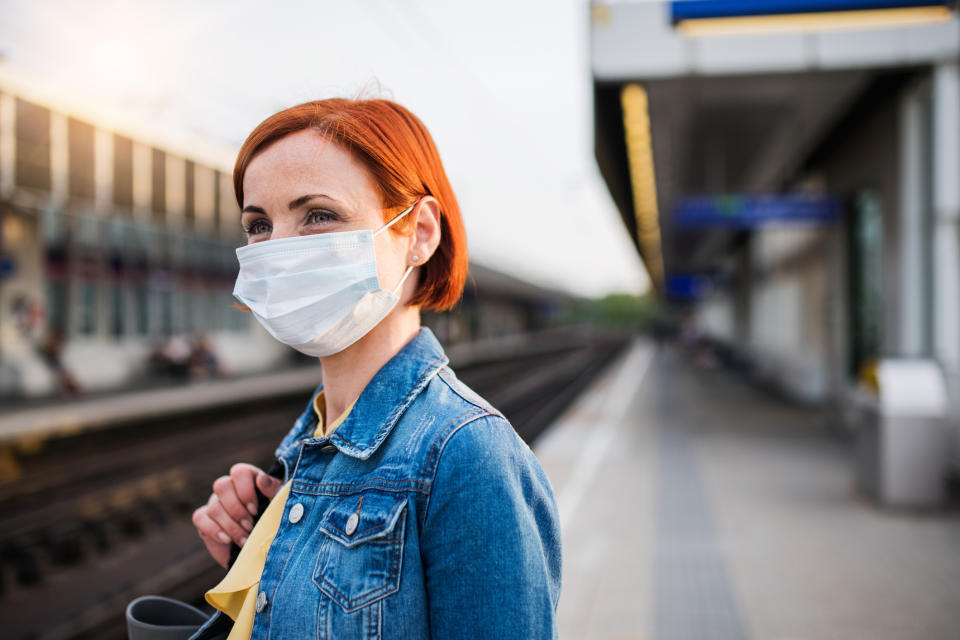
(236, 594)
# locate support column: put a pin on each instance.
(8, 146)
(911, 294)
(946, 208)
(946, 230)
(59, 159)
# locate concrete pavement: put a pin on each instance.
(695, 506)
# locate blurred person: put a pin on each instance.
(401, 504)
(171, 358)
(51, 351)
(203, 360)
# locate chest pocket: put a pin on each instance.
(360, 557)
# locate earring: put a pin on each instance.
(416, 259)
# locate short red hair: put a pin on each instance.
(402, 158)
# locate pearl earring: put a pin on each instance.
(416, 259)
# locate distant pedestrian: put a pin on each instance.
(203, 361)
(171, 358)
(51, 350)
(402, 504)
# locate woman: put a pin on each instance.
(407, 506)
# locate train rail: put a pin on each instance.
(96, 518)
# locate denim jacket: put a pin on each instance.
(423, 516)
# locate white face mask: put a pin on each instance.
(317, 293)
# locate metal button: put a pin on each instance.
(261, 601)
(352, 523)
(296, 512)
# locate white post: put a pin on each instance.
(142, 180)
(59, 159)
(8, 147)
(103, 171)
(911, 289)
(946, 238)
(946, 207)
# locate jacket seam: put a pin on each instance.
(279, 575)
(437, 449)
(346, 489)
(391, 421)
(485, 407)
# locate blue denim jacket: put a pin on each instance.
(424, 516)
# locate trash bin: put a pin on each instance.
(904, 438)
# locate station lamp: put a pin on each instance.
(745, 17)
(636, 125)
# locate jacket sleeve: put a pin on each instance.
(490, 541)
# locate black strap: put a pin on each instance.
(277, 471)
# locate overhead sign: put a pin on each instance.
(687, 286)
(7, 267)
(747, 212)
(701, 9)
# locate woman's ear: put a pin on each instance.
(426, 231)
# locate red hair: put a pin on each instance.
(398, 151)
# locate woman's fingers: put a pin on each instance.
(208, 527)
(268, 485)
(210, 532)
(243, 475)
(230, 529)
(219, 551)
(224, 489)
(228, 515)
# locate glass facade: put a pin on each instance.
(118, 311)
(86, 308)
(126, 272)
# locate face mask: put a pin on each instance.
(317, 293)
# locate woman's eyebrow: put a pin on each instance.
(302, 200)
(294, 204)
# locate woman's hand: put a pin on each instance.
(228, 515)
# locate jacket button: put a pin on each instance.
(261, 601)
(352, 523)
(296, 512)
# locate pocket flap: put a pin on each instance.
(356, 519)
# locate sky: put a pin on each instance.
(503, 86)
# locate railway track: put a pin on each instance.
(97, 518)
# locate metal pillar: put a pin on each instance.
(946, 207)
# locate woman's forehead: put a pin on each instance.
(306, 161)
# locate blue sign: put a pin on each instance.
(747, 212)
(686, 286)
(698, 9)
(7, 267)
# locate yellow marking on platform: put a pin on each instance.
(31, 443)
(9, 467)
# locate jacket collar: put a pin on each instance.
(380, 405)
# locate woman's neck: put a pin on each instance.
(345, 374)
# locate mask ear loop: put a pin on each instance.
(406, 273)
(394, 221)
(396, 290)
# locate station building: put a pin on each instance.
(791, 181)
(117, 242)
(115, 238)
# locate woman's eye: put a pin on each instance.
(318, 216)
(257, 226)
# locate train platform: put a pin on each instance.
(695, 506)
(26, 422)
(24, 426)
